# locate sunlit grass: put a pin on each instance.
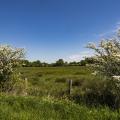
(33, 108)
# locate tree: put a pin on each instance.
(107, 64)
(9, 60)
(107, 56)
(36, 64)
(59, 62)
(83, 63)
(89, 60)
(25, 63)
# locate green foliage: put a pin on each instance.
(9, 59)
(59, 62)
(107, 64)
(27, 108)
(83, 63)
(87, 88)
(74, 64)
(99, 92)
(54, 80)
(25, 63)
(89, 60)
(36, 64)
(107, 57)
(15, 85)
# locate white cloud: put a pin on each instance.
(118, 26)
(79, 56)
(110, 32)
(83, 54)
(118, 23)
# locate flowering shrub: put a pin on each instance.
(107, 56)
(9, 60)
(107, 64)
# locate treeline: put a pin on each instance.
(60, 62)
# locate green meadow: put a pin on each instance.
(54, 80)
(46, 108)
(48, 99)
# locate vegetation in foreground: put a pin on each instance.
(33, 108)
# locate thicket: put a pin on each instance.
(9, 61)
(106, 91)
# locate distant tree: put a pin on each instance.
(89, 60)
(83, 62)
(59, 62)
(66, 64)
(74, 63)
(25, 63)
(44, 64)
(36, 64)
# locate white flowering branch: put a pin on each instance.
(9, 59)
(107, 56)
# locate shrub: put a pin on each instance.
(9, 60)
(100, 93)
(107, 64)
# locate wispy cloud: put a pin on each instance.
(79, 56)
(110, 32)
(118, 25)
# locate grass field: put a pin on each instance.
(33, 108)
(45, 101)
(54, 80)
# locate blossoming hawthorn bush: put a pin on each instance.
(9, 60)
(107, 64)
(107, 57)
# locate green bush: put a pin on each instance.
(98, 92)
(9, 60)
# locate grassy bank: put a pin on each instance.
(31, 108)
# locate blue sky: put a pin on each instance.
(53, 29)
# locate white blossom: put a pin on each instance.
(107, 56)
(9, 58)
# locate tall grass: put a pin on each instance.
(33, 108)
(54, 80)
